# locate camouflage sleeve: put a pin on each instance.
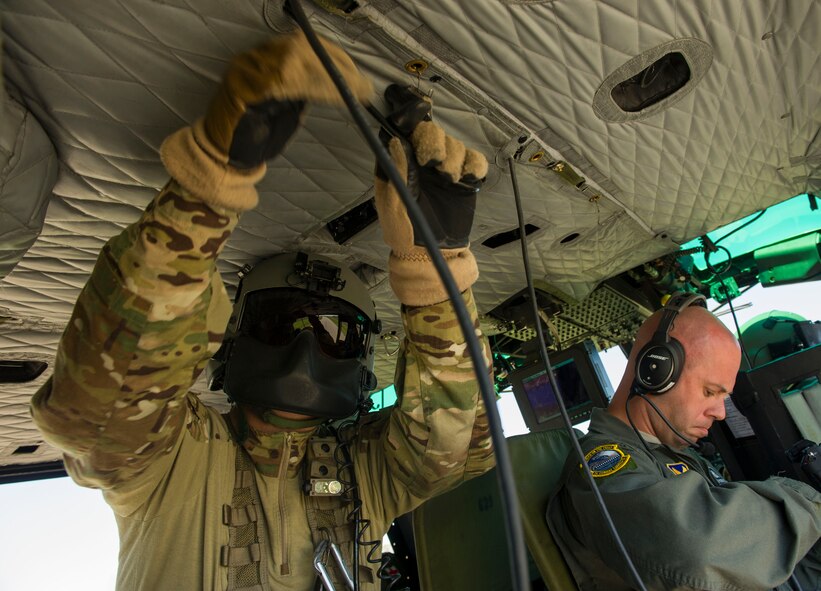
(144, 326)
(437, 434)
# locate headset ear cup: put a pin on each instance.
(658, 366)
(660, 361)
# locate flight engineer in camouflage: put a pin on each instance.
(206, 501)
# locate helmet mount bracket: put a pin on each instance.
(320, 277)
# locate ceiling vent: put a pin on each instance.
(13, 371)
(652, 81)
(505, 238)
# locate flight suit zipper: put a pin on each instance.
(285, 461)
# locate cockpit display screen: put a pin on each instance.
(542, 398)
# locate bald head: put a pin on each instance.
(703, 336)
(712, 358)
(700, 333)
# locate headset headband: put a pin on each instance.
(674, 306)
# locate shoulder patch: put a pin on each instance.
(606, 459)
(678, 468)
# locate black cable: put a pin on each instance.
(735, 321)
(516, 547)
(635, 429)
(741, 227)
(346, 475)
(667, 422)
(726, 291)
(727, 264)
(553, 384)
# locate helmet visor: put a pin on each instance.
(276, 316)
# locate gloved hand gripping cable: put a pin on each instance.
(513, 524)
(443, 177)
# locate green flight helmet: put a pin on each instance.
(300, 339)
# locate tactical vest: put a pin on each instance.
(246, 553)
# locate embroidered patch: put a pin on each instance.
(678, 468)
(605, 460)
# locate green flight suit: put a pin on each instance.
(684, 526)
(119, 407)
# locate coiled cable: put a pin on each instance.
(345, 434)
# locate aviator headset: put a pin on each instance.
(660, 361)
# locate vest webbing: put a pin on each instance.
(245, 554)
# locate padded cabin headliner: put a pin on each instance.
(109, 80)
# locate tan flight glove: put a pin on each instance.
(444, 177)
(257, 109)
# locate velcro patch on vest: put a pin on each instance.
(606, 460)
(678, 468)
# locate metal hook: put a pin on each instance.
(320, 562)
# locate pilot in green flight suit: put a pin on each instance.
(206, 501)
(684, 526)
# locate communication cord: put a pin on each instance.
(675, 431)
(729, 300)
(635, 429)
(553, 384)
(516, 547)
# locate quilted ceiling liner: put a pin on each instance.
(108, 80)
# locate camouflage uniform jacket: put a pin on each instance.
(119, 407)
(684, 526)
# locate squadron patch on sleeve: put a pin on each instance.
(678, 468)
(606, 459)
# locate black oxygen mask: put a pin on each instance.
(297, 377)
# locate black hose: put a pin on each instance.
(516, 547)
(729, 299)
(741, 227)
(553, 384)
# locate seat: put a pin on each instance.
(460, 537)
(538, 460)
